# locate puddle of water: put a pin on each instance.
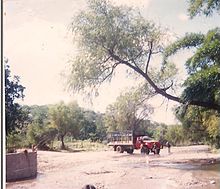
(182, 166)
(212, 167)
(188, 166)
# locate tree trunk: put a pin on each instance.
(62, 142)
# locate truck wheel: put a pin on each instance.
(130, 151)
(119, 149)
(142, 150)
(115, 148)
(157, 151)
(145, 150)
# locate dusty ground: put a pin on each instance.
(185, 167)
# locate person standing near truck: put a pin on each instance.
(168, 146)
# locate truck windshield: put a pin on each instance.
(146, 138)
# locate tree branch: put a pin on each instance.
(149, 56)
(113, 68)
(165, 89)
(162, 91)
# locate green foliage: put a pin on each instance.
(206, 7)
(88, 127)
(101, 129)
(207, 54)
(16, 116)
(42, 137)
(203, 86)
(175, 134)
(212, 124)
(109, 36)
(82, 145)
(203, 82)
(189, 40)
(39, 132)
(160, 131)
(15, 140)
(40, 114)
(128, 112)
(66, 119)
(200, 125)
(43, 129)
(92, 127)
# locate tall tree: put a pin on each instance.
(202, 87)
(128, 112)
(88, 126)
(39, 131)
(110, 36)
(201, 124)
(91, 126)
(66, 118)
(101, 129)
(15, 115)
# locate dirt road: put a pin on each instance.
(185, 167)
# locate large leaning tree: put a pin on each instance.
(66, 119)
(111, 36)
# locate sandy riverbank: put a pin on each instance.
(185, 167)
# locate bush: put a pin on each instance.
(15, 140)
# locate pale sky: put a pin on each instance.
(38, 45)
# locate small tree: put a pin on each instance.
(16, 116)
(66, 118)
(128, 112)
(39, 131)
(200, 125)
(175, 134)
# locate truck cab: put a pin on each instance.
(147, 145)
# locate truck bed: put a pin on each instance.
(120, 138)
(121, 143)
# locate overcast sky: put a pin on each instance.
(38, 45)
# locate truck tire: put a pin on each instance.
(143, 150)
(157, 151)
(147, 150)
(119, 149)
(115, 148)
(130, 151)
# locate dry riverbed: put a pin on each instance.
(185, 167)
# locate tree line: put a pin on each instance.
(42, 125)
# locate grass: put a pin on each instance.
(79, 145)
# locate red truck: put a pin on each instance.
(127, 141)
